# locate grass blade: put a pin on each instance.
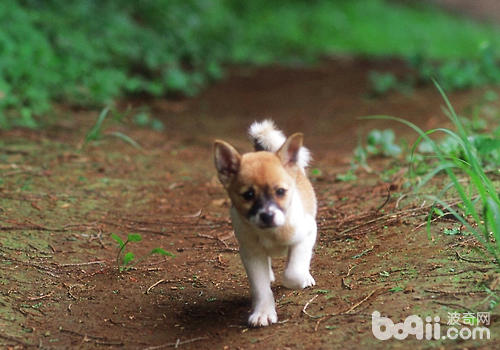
(125, 138)
(96, 132)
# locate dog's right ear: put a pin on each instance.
(227, 161)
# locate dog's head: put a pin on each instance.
(259, 184)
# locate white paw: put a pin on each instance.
(263, 317)
(271, 275)
(298, 281)
(309, 281)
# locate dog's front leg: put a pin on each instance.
(297, 275)
(258, 267)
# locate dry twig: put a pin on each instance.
(176, 344)
(352, 308)
(344, 283)
(476, 261)
(304, 309)
(154, 285)
(84, 263)
(41, 296)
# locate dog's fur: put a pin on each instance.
(273, 211)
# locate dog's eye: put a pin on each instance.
(280, 192)
(249, 195)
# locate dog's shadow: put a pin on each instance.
(216, 314)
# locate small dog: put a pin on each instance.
(273, 211)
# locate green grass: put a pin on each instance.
(97, 133)
(479, 207)
(90, 52)
(452, 74)
(363, 27)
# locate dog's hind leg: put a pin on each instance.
(271, 273)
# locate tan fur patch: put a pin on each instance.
(305, 189)
(263, 171)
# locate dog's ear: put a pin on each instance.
(289, 152)
(227, 161)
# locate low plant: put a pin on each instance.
(143, 119)
(458, 74)
(480, 130)
(377, 143)
(479, 207)
(479, 69)
(381, 142)
(382, 83)
(97, 132)
(126, 260)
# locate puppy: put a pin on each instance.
(273, 211)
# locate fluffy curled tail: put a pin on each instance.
(266, 137)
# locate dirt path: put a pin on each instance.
(482, 9)
(59, 204)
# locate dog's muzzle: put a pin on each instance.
(269, 217)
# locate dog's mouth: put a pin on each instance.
(268, 219)
(264, 226)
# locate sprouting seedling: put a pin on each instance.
(124, 262)
(97, 133)
(382, 142)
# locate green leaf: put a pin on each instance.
(349, 176)
(321, 291)
(452, 231)
(141, 119)
(125, 138)
(391, 150)
(487, 145)
(127, 258)
(493, 217)
(374, 137)
(316, 172)
(438, 212)
(26, 119)
(396, 289)
(161, 251)
(118, 240)
(134, 237)
(95, 132)
(157, 125)
(357, 256)
(177, 80)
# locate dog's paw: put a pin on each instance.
(298, 281)
(263, 317)
(308, 281)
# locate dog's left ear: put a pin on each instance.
(227, 161)
(289, 152)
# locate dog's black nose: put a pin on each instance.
(267, 218)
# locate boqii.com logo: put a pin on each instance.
(461, 326)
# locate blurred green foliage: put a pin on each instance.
(457, 74)
(89, 52)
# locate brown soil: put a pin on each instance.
(60, 202)
(482, 9)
